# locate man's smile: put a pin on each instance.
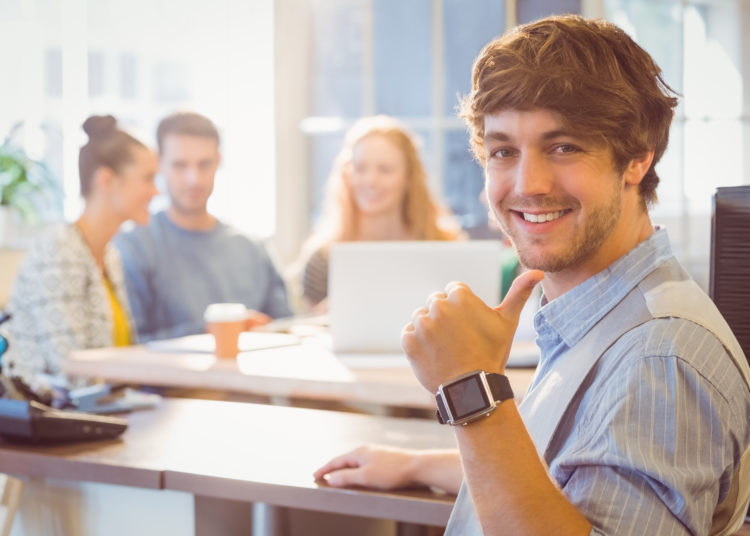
(542, 217)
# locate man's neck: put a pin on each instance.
(191, 221)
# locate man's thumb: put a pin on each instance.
(519, 292)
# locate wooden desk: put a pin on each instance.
(229, 453)
(271, 458)
(307, 370)
(243, 453)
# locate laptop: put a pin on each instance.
(373, 287)
(33, 422)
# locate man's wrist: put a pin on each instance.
(434, 468)
(413, 468)
(471, 396)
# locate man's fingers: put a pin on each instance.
(339, 462)
(408, 342)
(519, 292)
(436, 296)
(255, 319)
(455, 285)
(419, 311)
(347, 477)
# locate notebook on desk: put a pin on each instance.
(375, 286)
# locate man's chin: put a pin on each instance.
(190, 209)
(549, 262)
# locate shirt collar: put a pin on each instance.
(574, 313)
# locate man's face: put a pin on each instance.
(556, 195)
(189, 164)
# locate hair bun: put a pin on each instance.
(100, 126)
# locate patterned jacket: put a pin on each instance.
(59, 303)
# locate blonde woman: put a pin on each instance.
(377, 190)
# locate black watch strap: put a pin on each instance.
(499, 388)
(441, 410)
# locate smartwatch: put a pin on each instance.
(471, 396)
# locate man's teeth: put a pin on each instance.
(541, 218)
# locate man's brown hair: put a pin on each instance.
(186, 124)
(603, 85)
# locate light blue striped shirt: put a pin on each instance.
(649, 446)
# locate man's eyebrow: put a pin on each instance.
(496, 135)
(558, 133)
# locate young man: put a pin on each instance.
(185, 258)
(637, 419)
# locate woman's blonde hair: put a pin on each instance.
(424, 216)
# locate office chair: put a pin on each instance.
(729, 278)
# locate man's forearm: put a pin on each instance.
(508, 483)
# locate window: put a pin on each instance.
(139, 61)
(412, 59)
(284, 79)
(406, 59)
(698, 44)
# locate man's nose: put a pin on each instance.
(534, 175)
(192, 175)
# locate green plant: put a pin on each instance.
(25, 184)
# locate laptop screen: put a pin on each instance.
(374, 287)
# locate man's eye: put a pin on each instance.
(566, 148)
(503, 153)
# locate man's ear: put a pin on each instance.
(637, 168)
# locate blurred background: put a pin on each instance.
(284, 79)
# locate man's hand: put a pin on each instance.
(369, 466)
(390, 468)
(255, 319)
(456, 332)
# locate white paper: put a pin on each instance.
(204, 343)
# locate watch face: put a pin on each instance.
(466, 397)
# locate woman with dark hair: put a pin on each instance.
(69, 293)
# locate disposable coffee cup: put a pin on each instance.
(225, 321)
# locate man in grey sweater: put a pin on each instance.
(185, 258)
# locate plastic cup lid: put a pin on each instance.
(225, 312)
